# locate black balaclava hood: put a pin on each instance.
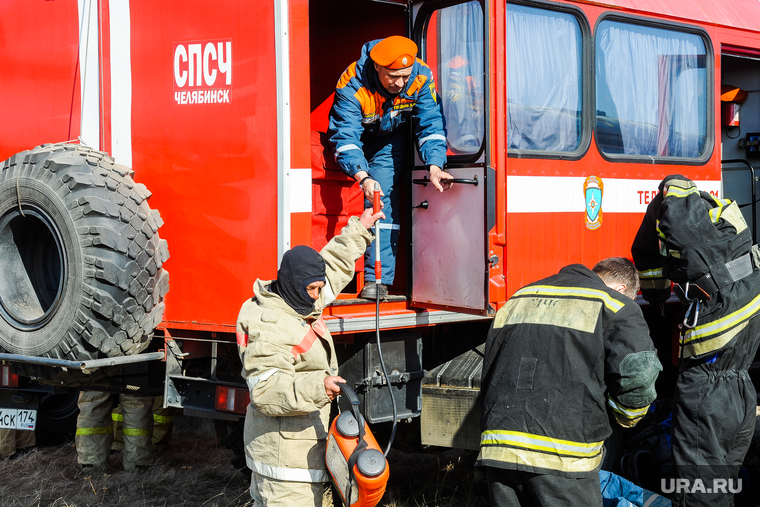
(301, 266)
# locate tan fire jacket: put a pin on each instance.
(286, 358)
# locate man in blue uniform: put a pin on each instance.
(377, 99)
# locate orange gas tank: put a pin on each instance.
(347, 441)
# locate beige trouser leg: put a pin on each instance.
(137, 430)
(7, 443)
(268, 492)
(25, 438)
(163, 422)
(117, 444)
(94, 428)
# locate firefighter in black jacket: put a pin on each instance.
(702, 243)
(561, 353)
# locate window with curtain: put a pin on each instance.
(454, 50)
(544, 80)
(651, 91)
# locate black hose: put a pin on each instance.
(382, 365)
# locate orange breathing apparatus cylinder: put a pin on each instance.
(356, 464)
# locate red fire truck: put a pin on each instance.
(563, 115)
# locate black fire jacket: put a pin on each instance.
(691, 236)
(560, 354)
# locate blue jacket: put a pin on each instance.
(363, 108)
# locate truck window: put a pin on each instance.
(544, 80)
(651, 91)
(454, 50)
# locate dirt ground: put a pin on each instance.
(195, 471)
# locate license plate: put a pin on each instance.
(19, 419)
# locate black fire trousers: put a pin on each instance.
(713, 423)
(513, 488)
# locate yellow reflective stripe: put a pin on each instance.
(630, 413)
(95, 431)
(540, 459)
(711, 345)
(117, 417)
(547, 290)
(540, 443)
(626, 422)
(163, 419)
(651, 273)
(715, 214)
(681, 192)
(571, 313)
(137, 432)
(717, 327)
(661, 283)
(680, 184)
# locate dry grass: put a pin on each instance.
(195, 472)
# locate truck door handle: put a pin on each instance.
(424, 181)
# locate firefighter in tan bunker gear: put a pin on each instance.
(290, 366)
(95, 429)
(12, 440)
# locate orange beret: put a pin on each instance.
(394, 52)
(730, 93)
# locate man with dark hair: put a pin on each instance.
(561, 353)
(290, 366)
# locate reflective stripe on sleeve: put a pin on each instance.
(433, 137)
(117, 417)
(253, 381)
(95, 431)
(658, 283)
(626, 417)
(347, 147)
(681, 192)
(651, 273)
(288, 474)
(163, 419)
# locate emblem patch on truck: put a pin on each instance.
(593, 189)
(202, 71)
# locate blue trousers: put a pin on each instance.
(386, 156)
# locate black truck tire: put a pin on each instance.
(81, 273)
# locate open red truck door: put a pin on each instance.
(449, 230)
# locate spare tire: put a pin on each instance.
(80, 257)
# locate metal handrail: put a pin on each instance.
(84, 365)
(754, 196)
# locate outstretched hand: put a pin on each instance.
(368, 219)
(440, 178)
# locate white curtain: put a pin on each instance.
(460, 33)
(543, 79)
(653, 82)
